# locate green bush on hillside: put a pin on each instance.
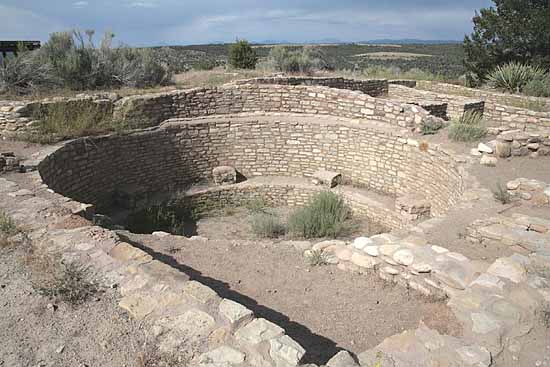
(71, 60)
(242, 55)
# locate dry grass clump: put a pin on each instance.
(501, 194)
(67, 282)
(267, 225)
(316, 258)
(151, 356)
(470, 127)
(7, 225)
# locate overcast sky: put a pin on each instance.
(156, 22)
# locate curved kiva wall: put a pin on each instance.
(372, 87)
(152, 109)
(179, 153)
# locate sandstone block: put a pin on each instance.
(224, 175)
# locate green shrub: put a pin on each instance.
(316, 258)
(267, 225)
(25, 73)
(60, 121)
(7, 225)
(470, 127)
(538, 87)
(324, 216)
(242, 55)
(70, 60)
(514, 76)
(304, 60)
(501, 194)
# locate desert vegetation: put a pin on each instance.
(502, 35)
(469, 127)
(71, 60)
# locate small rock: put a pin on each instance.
(488, 161)
(422, 268)
(372, 251)
(222, 355)
(360, 242)
(390, 270)
(475, 152)
(364, 261)
(484, 148)
(342, 359)
(160, 234)
(60, 349)
(404, 257)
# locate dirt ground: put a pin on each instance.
(36, 331)
(451, 231)
(322, 308)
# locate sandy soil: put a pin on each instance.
(36, 331)
(323, 308)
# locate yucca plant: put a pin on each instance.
(514, 76)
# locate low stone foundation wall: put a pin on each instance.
(372, 87)
(515, 111)
(404, 82)
(278, 191)
(456, 106)
(183, 152)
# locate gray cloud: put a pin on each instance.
(149, 22)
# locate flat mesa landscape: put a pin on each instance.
(277, 221)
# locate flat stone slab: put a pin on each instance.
(285, 351)
(257, 331)
(235, 313)
(327, 178)
(221, 356)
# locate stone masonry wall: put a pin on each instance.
(150, 110)
(180, 153)
(515, 111)
(456, 106)
(372, 87)
(291, 194)
(141, 111)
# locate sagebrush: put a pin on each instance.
(72, 60)
(324, 216)
(267, 225)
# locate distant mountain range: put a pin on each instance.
(402, 41)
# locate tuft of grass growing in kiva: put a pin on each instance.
(501, 194)
(7, 225)
(60, 121)
(470, 127)
(324, 216)
(316, 258)
(267, 225)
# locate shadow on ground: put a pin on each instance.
(318, 348)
